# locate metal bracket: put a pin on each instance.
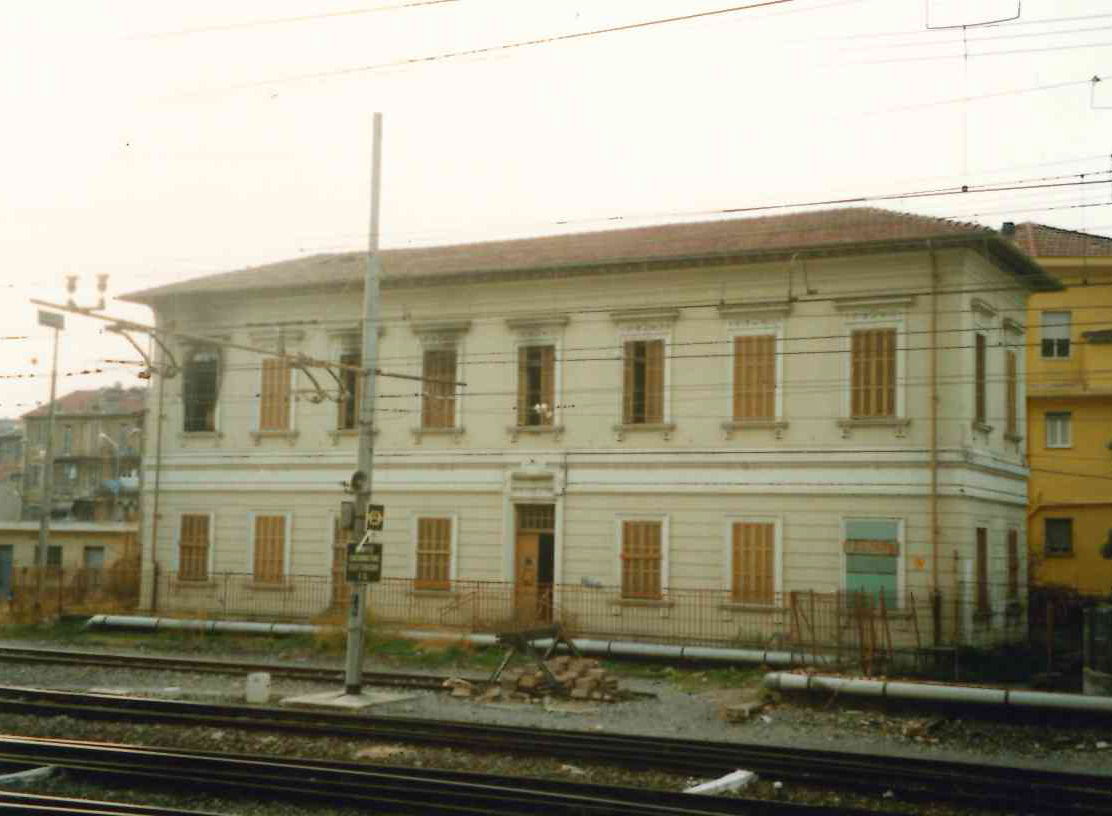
(169, 371)
(927, 10)
(301, 364)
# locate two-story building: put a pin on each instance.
(669, 431)
(1069, 409)
(97, 451)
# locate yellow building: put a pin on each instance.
(1069, 409)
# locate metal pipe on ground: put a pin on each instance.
(937, 692)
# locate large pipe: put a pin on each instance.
(236, 627)
(937, 692)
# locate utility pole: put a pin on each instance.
(46, 501)
(353, 675)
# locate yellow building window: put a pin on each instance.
(873, 373)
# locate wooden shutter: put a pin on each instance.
(1013, 565)
(1012, 392)
(654, 381)
(434, 553)
(982, 570)
(629, 350)
(438, 407)
(548, 383)
(274, 410)
(193, 545)
(270, 549)
(754, 565)
(873, 373)
(979, 377)
(523, 407)
(755, 378)
(641, 559)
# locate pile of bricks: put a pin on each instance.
(579, 677)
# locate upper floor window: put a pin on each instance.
(980, 378)
(1058, 430)
(67, 439)
(348, 409)
(200, 376)
(643, 382)
(438, 401)
(536, 380)
(1055, 334)
(275, 397)
(754, 377)
(873, 373)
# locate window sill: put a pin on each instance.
(981, 427)
(419, 433)
(749, 606)
(664, 428)
(777, 426)
(898, 424)
(266, 586)
(556, 431)
(213, 437)
(336, 434)
(289, 436)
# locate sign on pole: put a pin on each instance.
(52, 320)
(364, 561)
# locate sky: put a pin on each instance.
(156, 142)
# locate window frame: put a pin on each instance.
(777, 558)
(1014, 566)
(425, 395)
(901, 557)
(1057, 416)
(644, 324)
(629, 420)
(1068, 553)
(868, 322)
(191, 351)
(210, 565)
(434, 336)
(664, 520)
(287, 545)
(1011, 393)
(980, 378)
(353, 397)
(453, 554)
(291, 421)
(756, 329)
(553, 420)
(982, 597)
(1056, 341)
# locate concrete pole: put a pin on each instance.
(47, 501)
(353, 674)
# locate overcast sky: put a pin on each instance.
(157, 142)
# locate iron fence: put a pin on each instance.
(37, 592)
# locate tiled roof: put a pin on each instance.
(92, 401)
(735, 236)
(1041, 241)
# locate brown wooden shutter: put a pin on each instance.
(654, 381)
(193, 547)
(754, 553)
(274, 411)
(979, 377)
(755, 377)
(858, 364)
(873, 373)
(641, 559)
(434, 553)
(1011, 396)
(982, 570)
(628, 379)
(438, 407)
(270, 548)
(523, 407)
(548, 383)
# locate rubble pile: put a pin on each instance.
(581, 678)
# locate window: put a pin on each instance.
(348, 413)
(872, 554)
(979, 375)
(434, 554)
(1011, 394)
(873, 373)
(1059, 536)
(755, 377)
(274, 405)
(193, 547)
(753, 562)
(643, 382)
(1013, 565)
(270, 549)
(642, 559)
(1055, 334)
(67, 440)
(199, 389)
(94, 566)
(438, 403)
(1058, 430)
(536, 393)
(982, 570)
(54, 559)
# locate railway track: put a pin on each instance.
(12, 802)
(381, 789)
(921, 780)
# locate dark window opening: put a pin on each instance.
(199, 390)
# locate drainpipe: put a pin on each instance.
(157, 482)
(936, 601)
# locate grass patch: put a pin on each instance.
(690, 678)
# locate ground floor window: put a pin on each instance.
(270, 549)
(642, 559)
(193, 547)
(1059, 536)
(434, 553)
(753, 562)
(872, 555)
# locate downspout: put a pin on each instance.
(157, 481)
(936, 601)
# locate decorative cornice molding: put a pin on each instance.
(983, 307)
(537, 321)
(873, 303)
(755, 309)
(649, 315)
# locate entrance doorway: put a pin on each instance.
(534, 555)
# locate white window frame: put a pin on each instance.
(665, 551)
(901, 559)
(754, 328)
(434, 336)
(865, 321)
(630, 333)
(542, 332)
(1042, 332)
(287, 548)
(453, 558)
(728, 554)
(175, 555)
(1058, 416)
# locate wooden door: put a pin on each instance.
(526, 577)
